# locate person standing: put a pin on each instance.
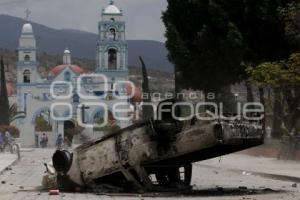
(44, 140)
(59, 141)
(7, 139)
(36, 139)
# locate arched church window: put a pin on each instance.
(112, 59)
(112, 34)
(67, 76)
(26, 76)
(27, 58)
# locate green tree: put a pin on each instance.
(263, 24)
(290, 14)
(204, 45)
(42, 125)
(263, 31)
(211, 42)
(284, 77)
(262, 27)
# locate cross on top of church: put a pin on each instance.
(27, 12)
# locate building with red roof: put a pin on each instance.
(67, 96)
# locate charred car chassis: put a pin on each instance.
(152, 155)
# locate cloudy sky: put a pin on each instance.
(143, 17)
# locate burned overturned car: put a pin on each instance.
(153, 155)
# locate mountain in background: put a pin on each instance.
(82, 44)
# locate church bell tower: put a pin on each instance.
(112, 55)
(27, 62)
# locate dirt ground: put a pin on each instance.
(210, 181)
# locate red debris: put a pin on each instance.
(53, 192)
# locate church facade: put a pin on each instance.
(67, 96)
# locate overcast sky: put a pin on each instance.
(143, 17)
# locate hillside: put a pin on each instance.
(82, 44)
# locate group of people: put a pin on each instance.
(5, 140)
(42, 141)
(60, 141)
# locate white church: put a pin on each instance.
(67, 96)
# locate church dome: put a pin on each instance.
(27, 28)
(67, 51)
(58, 69)
(112, 9)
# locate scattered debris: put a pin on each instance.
(246, 173)
(8, 169)
(49, 180)
(294, 185)
(53, 192)
(243, 188)
(3, 182)
(248, 198)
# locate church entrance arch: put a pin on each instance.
(42, 123)
(42, 120)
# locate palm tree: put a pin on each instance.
(14, 114)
